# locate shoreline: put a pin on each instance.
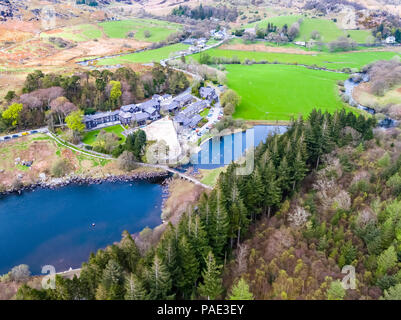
(55, 183)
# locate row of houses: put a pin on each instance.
(139, 113)
(152, 109)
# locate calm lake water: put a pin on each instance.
(55, 226)
(221, 151)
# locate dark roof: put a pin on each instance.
(205, 91)
(195, 120)
(171, 106)
(195, 108)
(180, 118)
(128, 107)
(184, 98)
(140, 116)
(149, 110)
(150, 103)
(100, 115)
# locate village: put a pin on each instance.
(176, 122)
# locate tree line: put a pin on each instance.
(50, 98)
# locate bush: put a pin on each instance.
(60, 168)
(126, 161)
(20, 273)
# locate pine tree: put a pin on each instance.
(299, 170)
(159, 281)
(189, 268)
(284, 175)
(112, 280)
(134, 289)
(272, 190)
(240, 291)
(219, 226)
(211, 287)
(131, 252)
(199, 240)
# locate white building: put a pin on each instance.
(390, 40)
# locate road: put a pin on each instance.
(8, 137)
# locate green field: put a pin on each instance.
(328, 29)
(145, 56)
(159, 30)
(90, 136)
(280, 92)
(80, 33)
(335, 61)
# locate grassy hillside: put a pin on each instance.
(80, 33)
(158, 30)
(279, 92)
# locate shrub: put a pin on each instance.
(126, 161)
(60, 168)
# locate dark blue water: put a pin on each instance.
(55, 226)
(221, 151)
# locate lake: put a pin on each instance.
(55, 226)
(221, 151)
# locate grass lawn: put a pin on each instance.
(159, 30)
(90, 136)
(279, 92)
(335, 61)
(145, 56)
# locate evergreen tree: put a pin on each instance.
(272, 190)
(159, 281)
(299, 170)
(189, 267)
(112, 280)
(134, 289)
(219, 226)
(240, 291)
(130, 251)
(211, 287)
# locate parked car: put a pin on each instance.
(7, 138)
(15, 136)
(25, 133)
(34, 131)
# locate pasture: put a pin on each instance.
(280, 92)
(328, 29)
(145, 56)
(335, 61)
(157, 30)
(79, 33)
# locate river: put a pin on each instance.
(54, 227)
